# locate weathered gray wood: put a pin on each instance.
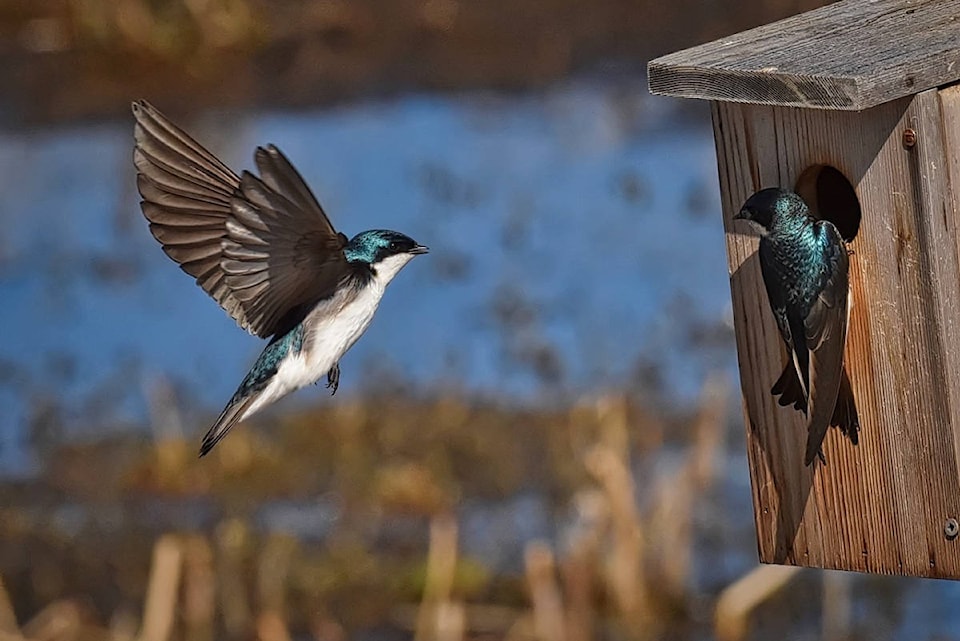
(881, 506)
(950, 110)
(851, 55)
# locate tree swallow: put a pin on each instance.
(804, 262)
(264, 249)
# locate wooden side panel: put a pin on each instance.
(950, 111)
(881, 506)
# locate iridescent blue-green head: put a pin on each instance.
(773, 204)
(383, 250)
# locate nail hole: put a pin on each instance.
(830, 196)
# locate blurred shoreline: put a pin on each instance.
(65, 61)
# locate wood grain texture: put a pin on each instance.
(881, 506)
(851, 55)
(950, 111)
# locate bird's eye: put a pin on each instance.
(394, 245)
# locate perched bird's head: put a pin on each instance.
(385, 251)
(769, 204)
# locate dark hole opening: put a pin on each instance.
(830, 196)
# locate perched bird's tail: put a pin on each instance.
(229, 417)
(845, 414)
(789, 390)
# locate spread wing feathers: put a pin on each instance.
(259, 247)
(825, 332)
(279, 174)
(186, 195)
(276, 257)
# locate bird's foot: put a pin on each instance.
(333, 379)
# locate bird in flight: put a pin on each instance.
(263, 248)
(805, 265)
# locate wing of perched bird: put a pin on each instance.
(262, 247)
(825, 334)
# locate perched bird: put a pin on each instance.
(805, 265)
(264, 249)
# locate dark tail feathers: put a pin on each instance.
(845, 415)
(228, 418)
(789, 390)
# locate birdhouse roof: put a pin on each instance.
(850, 55)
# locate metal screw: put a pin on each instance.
(909, 138)
(951, 529)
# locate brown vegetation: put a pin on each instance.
(112, 527)
(69, 59)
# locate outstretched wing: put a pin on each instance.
(825, 327)
(261, 247)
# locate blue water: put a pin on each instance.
(575, 233)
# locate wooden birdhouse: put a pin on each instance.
(855, 106)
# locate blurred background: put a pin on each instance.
(539, 437)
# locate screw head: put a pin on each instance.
(951, 529)
(909, 138)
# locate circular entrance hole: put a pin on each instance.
(830, 196)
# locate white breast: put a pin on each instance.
(334, 326)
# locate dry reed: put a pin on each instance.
(614, 573)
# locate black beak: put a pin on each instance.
(419, 249)
(743, 214)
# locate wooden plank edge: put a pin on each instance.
(756, 87)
